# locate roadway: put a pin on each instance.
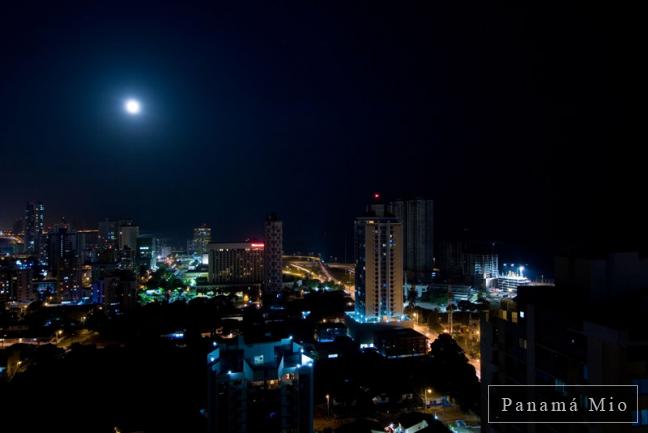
(313, 267)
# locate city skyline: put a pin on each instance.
(509, 251)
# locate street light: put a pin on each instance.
(427, 396)
(416, 317)
(328, 405)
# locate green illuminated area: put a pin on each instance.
(179, 294)
(178, 281)
(314, 285)
(170, 285)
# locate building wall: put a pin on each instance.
(108, 234)
(201, 240)
(417, 217)
(128, 237)
(34, 224)
(486, 265)
(87, 245)
(249, 381)
(273, 254)
(396, 272)
(399, 344)
(146, 254)
(551, 336)
(24, 288)
(379, 267)
(235, 263)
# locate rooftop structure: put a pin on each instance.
(260, 386)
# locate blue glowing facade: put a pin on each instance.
(263, 386)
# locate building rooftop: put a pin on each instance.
(258, 360)
(236, 245)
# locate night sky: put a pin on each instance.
(499, 114)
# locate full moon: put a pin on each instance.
(132, 106)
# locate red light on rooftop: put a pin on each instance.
(376, 195)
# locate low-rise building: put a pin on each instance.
(399, 342)
(260, 386)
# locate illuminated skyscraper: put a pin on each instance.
(108, 234)
(33, 227)
(63, 261)
(117, 242)
(146, 254)
(418, 241)
(273, 254)
(201, 240)
(61, 247)
(379, 266)
(87, 245)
